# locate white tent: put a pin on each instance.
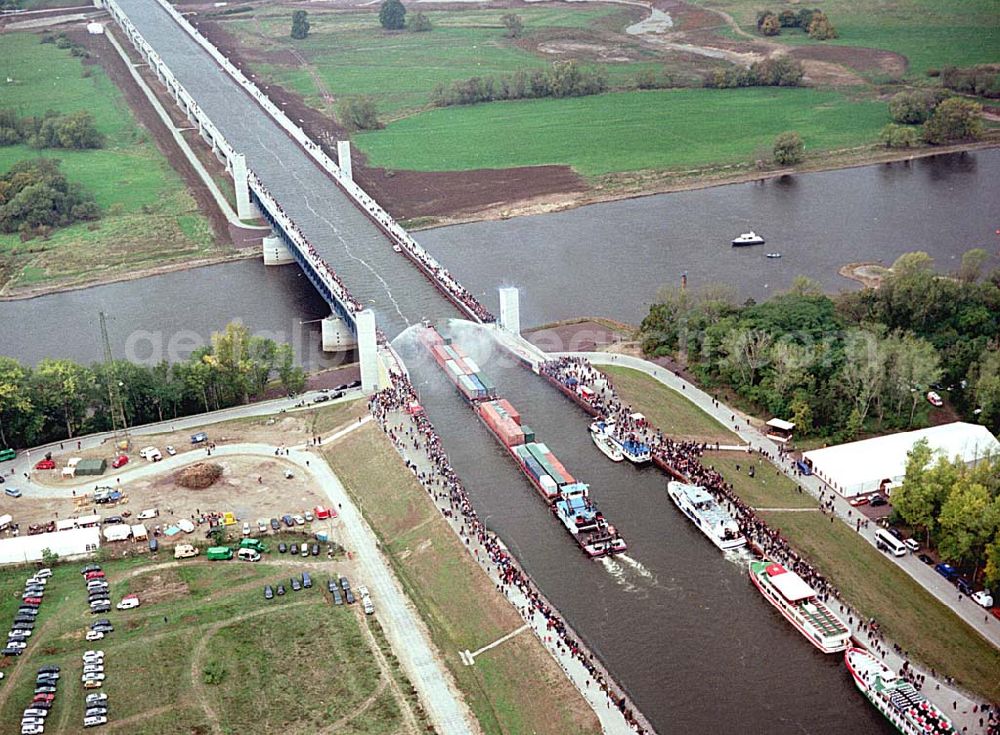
(117, 532)
(862, 467)
(67, 544)
(139, 532)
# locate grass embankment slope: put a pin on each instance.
(206, 652)
(149, 217)
(929, 33)
(870, 582)
(513, 688)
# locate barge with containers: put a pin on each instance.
(568, 499)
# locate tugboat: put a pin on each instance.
(896, 698)
(748, 238)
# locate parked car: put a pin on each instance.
(299, 520)
(275, 525)
(100, 697)
(293, 549)
(877, 500)
(92, 684)
(859, 500)
(262, 525)
(946, 570)
(170, 450)
(92, 677)
(964, 586)
(282, 547)
(246, 528)
(94, 635)
(934, 399)
(295, 585)
(12, 492)
(280, 590)
(912, 544)
(321, 398)
(128, 602)
(198, 438)
(306, 580)
(983, 597)
(120, 461)
(314, 549)
(309, 516)
(150, 454)
(94, 721)
(287, 520)
(45, 464)
(305, 549)
(268, 592)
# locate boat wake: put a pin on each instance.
(629, 574)
(739, 556)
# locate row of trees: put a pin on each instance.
(776, 71)
(562, 79)
(982, 80)
(812, 21)
(838, 366)
(957, 507)
(35, 196)
(52, 130)
(945, 119)
(60, 399)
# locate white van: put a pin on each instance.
(248, 555)
(151, 453)
(183, 551)
(149, 513)
(893, 544)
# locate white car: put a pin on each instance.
(94, 653)
(93, 669)
(43, 573)
(17, 644)
(934, 399)
(246, 529)
(262, 525)
(96, 699)
(92, 677)
(983, 597)
(170, 450)
(309, 517)
(912, 544)
(32, 729)
(20, 633)
(299, 520)
(94, 721)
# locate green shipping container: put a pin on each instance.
(488, 384)
(529, 433)
(551, 471)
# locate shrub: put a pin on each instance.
(788, 148)
(982, 80)
(419, 23)
(300, 25)
(820, 28)
(768, 23)
(392, 15)
(955, 119)
(35, 193)
(513, 24)
(899, 136)
(359, 113)
(912, 108)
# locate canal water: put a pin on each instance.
(602, 260)
(677, 623)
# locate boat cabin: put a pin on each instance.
(780, 430)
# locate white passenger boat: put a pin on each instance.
(711, 519)
(607, 447)
(748, 238)
(800, 605)
(895, 698)
(633, 450)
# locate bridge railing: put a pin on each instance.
(427, 263)
(326, 274)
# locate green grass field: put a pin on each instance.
(929, 33)
(353, 56)
(667, 409)
(626, 131)
(455, 599)
(149, 217)
(907, 613)
(766, 489)
(206, 647)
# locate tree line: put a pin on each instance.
(562, 79)
(933, 116)
(811, 20)
(60, 399)
(859, 361)
(776, 71)
(955, 506)
(75, 130)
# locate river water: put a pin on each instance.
(602, 260)
(678, 624)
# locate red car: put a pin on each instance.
(859, 500)
(45, 464)
(93, 575)
(44, 697)
(120, 461)
(995, 612)
(32, 600)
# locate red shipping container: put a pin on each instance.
(511, 411)
(558, 466)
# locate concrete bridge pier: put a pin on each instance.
(510, 309)
(344, 159)
(337, 335)
(275, 251)
(368, 351)
(244, 207)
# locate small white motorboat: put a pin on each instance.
(748, 238)
(774, 255)
(397, 249)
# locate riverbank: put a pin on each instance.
(637, 185)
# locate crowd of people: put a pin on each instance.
(443, 483)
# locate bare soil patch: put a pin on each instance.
(159, 586)
(200, 476)
(579, 336)
(858, 59)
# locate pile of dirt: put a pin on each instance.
(199, 476)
